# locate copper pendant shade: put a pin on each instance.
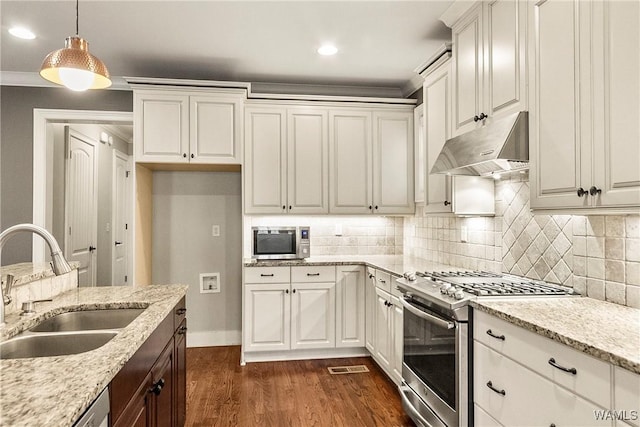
(74, 67)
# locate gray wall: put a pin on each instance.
(185, 207)
(16, 149)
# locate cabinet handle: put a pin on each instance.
(582, 192)
(313, 274)
(594, 190)
(184, 155)
(447, 203)
(157, 387)
(490, 385)
(382, 281)
(181, 311)
(266, 275)
(491, 334)
(182, 330)
(553, 363)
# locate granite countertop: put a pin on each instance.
(55, 391)
(26, 272)
(394, 264)
(604, 330)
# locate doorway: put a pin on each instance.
(88, 211)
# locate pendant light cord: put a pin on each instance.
(77, 19)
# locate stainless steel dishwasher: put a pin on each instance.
(97, 415)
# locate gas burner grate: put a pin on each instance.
(452, 274)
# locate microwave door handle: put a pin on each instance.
(426, 316)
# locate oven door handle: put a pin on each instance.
(426, 316)
(408, 406)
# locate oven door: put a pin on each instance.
(434, 361)
(274, 243)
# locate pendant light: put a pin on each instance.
(74, 67)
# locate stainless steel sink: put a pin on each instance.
(59, 344)
(89, 320)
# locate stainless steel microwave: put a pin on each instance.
(280, 242)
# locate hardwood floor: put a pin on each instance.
(220, 392)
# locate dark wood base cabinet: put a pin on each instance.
(150, 390)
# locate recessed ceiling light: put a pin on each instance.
(22, 33)
(327, 50)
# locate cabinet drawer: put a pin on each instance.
(395, 291)
(482, 419)
(325, 273)
(592, 379)
(522, 397)
(383, 280)
(625, 394)
(267, 274)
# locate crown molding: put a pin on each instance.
(455, 11)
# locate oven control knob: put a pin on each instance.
(452, 290)
(444, 288)
(459, 294)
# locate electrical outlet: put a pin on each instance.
(338, 231)
(464, 234)
(215, 231)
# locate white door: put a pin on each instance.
(308, 161)
(350, 162)
(267, 317)
(265, 180)
(350, 302)
(120, 219)
(393, 163)
(81, 209)
(370, 310)
(214, 129)
(383, 344)
(313, 317)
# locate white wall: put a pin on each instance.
(185, 207)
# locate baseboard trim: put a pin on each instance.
(329, 353)
(213, 338)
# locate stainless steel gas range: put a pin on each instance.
(437, 369)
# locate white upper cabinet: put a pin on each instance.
(177, 126)
(489, 67)
(286, 160)
(350, 158)
(584, 126)
(371, 161)
(393, 163)
(265, 182)
(419, 154)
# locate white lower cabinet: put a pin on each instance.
(350, 306)
(370, 298)
(313, 321)
(267, 317)
(522, 378)
(384, 327)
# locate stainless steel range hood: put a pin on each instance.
(501, 146)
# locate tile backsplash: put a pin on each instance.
(339, 235)
(599, 256)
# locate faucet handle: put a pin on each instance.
(6, 293)
(29, 307)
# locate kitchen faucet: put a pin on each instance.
(58, 263)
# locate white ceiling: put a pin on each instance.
(380, 42)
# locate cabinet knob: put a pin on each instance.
(157, 387)
(594, 190)
(192, 155)
(582, 192)
(376, 207)
(284, 208)
(182, 330)
(286, 291)
(181, 311)
(370, 207)
(482, 116)
(294, 291)
(447, 203)
(289, 207)
(184, 155)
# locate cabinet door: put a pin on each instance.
(161, 127)
(559, 161)
(267, 311)
(265, 184)
(616, 75)
(370, 298)
(350, 306)
(467, 64)
(138, 412)
(308, 161)
(163, 388)
(215, 129)
(393, 163)
(180, 374)
(398, 339)
(350, 162)
(384, 325)
(505, 68)
(437, 106)
(419, 154)
(313, 320)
